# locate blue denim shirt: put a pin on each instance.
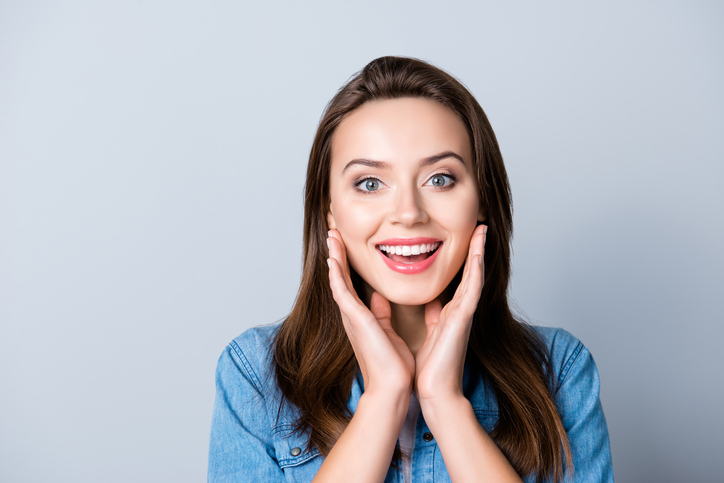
(249, 443)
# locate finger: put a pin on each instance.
(475, 249)
(337, 236)
(466, 267)
(380, 308)
(432, 315)
(352, 312)
(348, 302)
(337, 248)
(338, 252)
(474, 284)
(471, 295)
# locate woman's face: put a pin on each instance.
(403, 196)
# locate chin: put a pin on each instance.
(409, 297)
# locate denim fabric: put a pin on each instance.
(249, 443)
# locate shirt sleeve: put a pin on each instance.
(239, 447)
(577, 398)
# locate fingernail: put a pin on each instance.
(480, 260)
(327, 243)
(485, 229)
(329, 233)
(329, 263)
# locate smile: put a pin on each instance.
(409, 255)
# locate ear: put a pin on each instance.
(330, 220)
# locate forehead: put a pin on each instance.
(399, 130)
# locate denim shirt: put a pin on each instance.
(249, 443)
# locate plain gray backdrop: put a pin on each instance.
(152, 161)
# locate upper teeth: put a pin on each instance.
(407, 250)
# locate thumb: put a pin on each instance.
(380, 308)
(432, 314)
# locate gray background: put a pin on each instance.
(152, 157)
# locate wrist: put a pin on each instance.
(446, 411)
(390, 389)
(391, 401)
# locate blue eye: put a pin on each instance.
(369, 184)
(441, 180)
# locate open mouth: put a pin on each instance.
(409, 254)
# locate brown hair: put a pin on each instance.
(315, 364)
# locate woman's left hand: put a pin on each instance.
(470, 454)
(440, 360)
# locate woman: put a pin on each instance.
(401, 359)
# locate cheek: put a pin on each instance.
(458, 215)
(459, 219)
(356, 222)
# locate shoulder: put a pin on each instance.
(576, 392)
(574, 373)
(564, 351)
(256, 343)
(257, 339)
(251, 355)
(252, 433)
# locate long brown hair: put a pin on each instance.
(315, 364)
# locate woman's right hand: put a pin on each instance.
(364, 449)
(386, 362)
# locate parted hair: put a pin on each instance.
(314, 362)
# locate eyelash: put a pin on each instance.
(452, 177)
(359, 181)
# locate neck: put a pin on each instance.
(409, 323)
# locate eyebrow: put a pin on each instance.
(383, 165)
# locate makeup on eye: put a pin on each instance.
(441, 180)
(368, 184)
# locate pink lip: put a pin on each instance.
(408, 241)
(409, 268)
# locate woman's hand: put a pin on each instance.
(388, 365)
(364, 450)
(386, 362)
(440, 360)
(468, 451)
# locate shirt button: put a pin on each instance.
(427, 436)
(296, 451)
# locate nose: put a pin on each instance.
(408, 209)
